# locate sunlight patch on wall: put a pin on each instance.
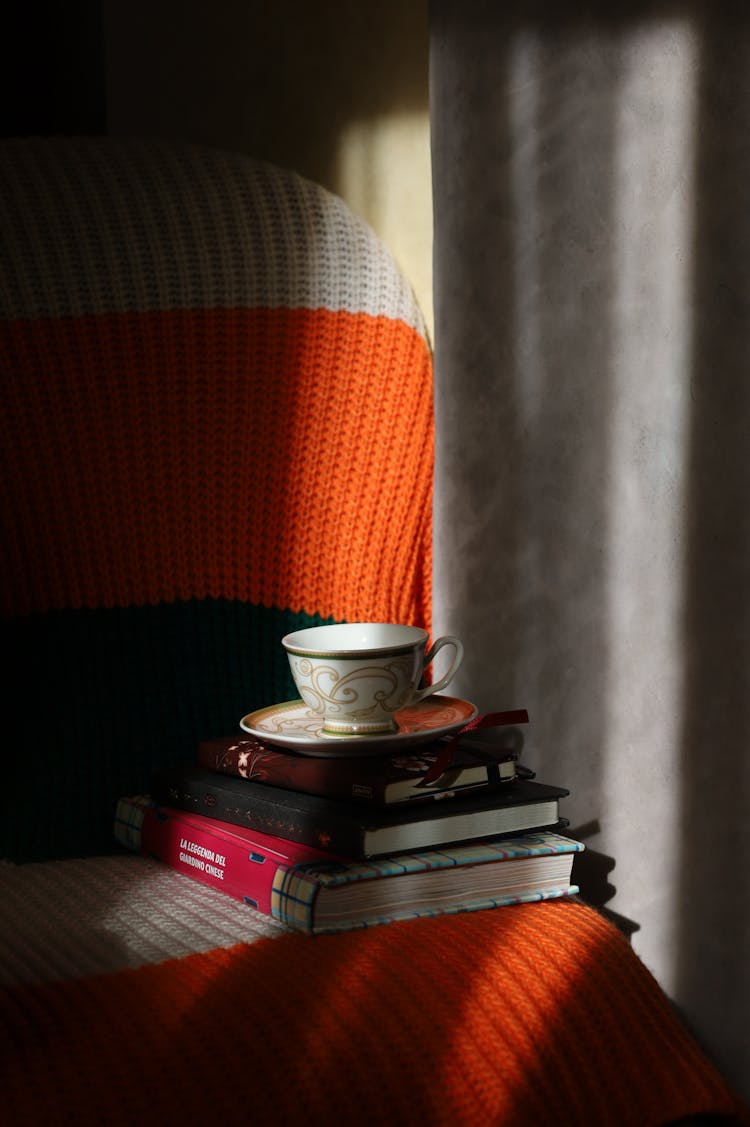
(651, 360)
(384, 174)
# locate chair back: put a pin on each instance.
(217, 427)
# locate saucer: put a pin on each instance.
(295, 726)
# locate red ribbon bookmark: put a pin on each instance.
(484, 720)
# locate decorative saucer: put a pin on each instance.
(295, 726)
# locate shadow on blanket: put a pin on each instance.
(451, 1021)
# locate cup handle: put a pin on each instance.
(446, 640)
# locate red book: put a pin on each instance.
(239, 862)
(378, 779)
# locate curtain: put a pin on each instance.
(591, 177)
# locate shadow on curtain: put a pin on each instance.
(713, 957)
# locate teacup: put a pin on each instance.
(357, 675)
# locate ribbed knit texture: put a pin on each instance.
(215, 426)
(522, 1017)
(252, 454)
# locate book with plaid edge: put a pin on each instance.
(316, 892)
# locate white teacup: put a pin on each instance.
(357, 675)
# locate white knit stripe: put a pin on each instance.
(154, 226)
(68, 919)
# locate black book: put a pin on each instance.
(351, 829)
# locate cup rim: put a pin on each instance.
(308, 642)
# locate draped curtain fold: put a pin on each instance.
(592, 527)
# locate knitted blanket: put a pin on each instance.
(530, 1015)
(217, 427)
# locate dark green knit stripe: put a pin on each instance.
(99, 698)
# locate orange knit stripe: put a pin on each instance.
(537, 1014)
(227, 453)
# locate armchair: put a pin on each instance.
(217, 427)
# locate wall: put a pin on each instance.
(337, 91)
(51, 68)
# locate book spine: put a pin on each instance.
(258, 810)
(241, 871)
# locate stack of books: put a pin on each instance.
(329, 844)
